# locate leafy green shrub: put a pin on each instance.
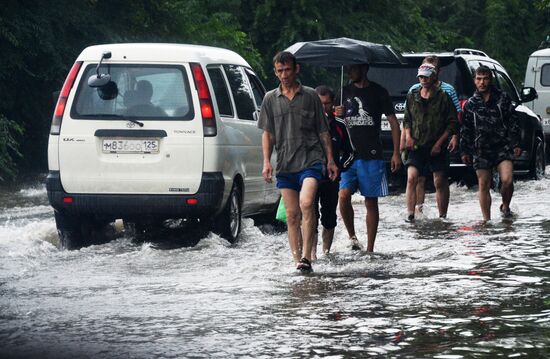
(9, 148)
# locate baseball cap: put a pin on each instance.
(426, 70)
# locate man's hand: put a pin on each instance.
(339, 111)
(517, 151)
(267, 172)
(332, 170)
(409, 142)
(395, 162)
(453, 144)
(436, 149)
(466, 159)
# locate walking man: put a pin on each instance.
(453, 144)
(342, 152)
(490, 136)
(293, 121)
(430, 118)
(364, 102)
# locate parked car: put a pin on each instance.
(149, 132)
(537, 75)
(457, 69)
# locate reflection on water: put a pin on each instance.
(438, 288)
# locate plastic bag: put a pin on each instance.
(281, 211)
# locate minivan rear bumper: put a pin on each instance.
(208, 201)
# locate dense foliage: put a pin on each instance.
(39, 40)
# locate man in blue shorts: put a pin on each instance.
(294, 122)
(364, 102)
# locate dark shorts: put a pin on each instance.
(489, 160)
(327, 198)
(425, 162)
(422, 172)
(294, 180)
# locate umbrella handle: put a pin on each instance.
(342, 85)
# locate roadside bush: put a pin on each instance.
(9, 148)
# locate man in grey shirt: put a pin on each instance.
(293, 121)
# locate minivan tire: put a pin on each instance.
(76, 232)
(538, 163)
(229, 222)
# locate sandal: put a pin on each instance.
(304, 266)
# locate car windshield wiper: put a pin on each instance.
(120, 117)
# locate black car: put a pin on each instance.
(457, 69)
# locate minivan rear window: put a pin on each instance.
(152, 92)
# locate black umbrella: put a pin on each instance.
(344, 51)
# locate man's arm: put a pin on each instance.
(267, 150)
(326, 142)
(395, 135)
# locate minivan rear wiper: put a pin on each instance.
(113, 115)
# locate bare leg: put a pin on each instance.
(410, 193)
(346, 210)
(484, 182)
(505, 169)
(442, 194)
(309, 218)
(328, 235)
(420, 192)
(293, 220)
(372, 221)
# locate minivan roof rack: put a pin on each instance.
(465, 51)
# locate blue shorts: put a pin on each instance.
(368, 175)
(294, 180)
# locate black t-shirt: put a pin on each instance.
(364, 109)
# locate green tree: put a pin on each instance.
(9, 148)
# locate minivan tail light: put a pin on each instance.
(62, 100)
(207, 109)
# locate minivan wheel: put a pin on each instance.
(538, 164)
(76, 232)
(229, 221)
(69, 230)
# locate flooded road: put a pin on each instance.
(441, 289)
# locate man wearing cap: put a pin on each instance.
(430, 118)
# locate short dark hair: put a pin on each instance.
(284, 57)
(434, 60)
(324, 90)
(484, 70)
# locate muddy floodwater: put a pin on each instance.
(433, 289)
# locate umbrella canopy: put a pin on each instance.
(344, 51)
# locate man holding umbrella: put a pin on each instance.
(293, 121)
(363, 104)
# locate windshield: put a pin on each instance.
(398, 80)
(152, 92)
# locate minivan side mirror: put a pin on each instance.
(100, 80)
(528, 94)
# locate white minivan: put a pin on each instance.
(149, 132)
(537, 75)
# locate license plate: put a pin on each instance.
(130, 146)
(546, 121)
